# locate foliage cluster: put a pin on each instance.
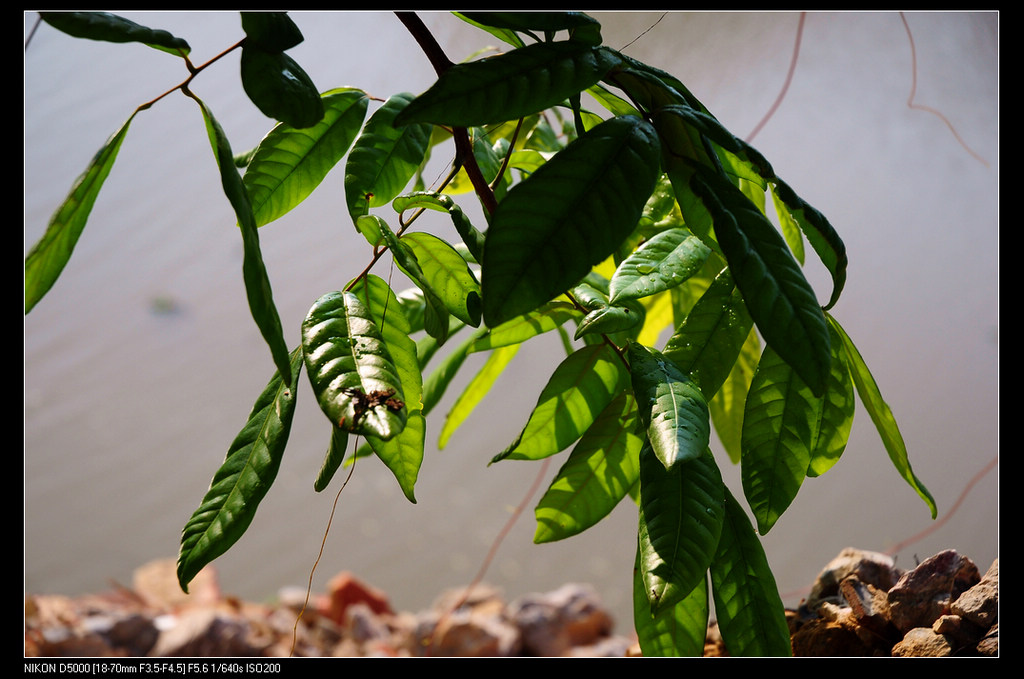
(637, 216)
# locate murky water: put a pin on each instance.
(142, 363)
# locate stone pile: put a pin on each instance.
(862, 605)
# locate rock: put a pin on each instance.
(923, 642)
(980, 604)
(872, 568)
(204, 632)
(344, 590)
(554, 623)
(928, 591)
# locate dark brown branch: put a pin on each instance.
(463, 146)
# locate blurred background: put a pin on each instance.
(142, 363)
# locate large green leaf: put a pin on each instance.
(748, 607)
(509, 86)
(600, 471)
(441, 377)
(271, 30)
(707, 343)
(679, 630)
(254, 272)
(681, 513)
(882, 416)
(384, 158)
(779, 424)
(569, 215)
(350, 368)
(112, 28)
(471, 236)
(279, 87)
(663, 262)
(447, 275)
(290, 163)
(576, 393)
(672, 409)
(51, 253)
(779, 298)
(543, 319)
(835, 419)
(243, 479)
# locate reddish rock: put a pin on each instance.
(928, 591)
(345, 589)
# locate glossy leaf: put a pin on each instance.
(836, 412)
(403, 454)
(779, 298)
(509, 86)
(779, 425)
(112, 28)
(820, 234)
(727, 406)
(279, 87)
(447, 275)
(707, 343)
(254, 272)
(244, 478)
(271, 30)
(576, 393)
(681, 513)
(882, 416)
(290, 163)
(544, 318)
(333, 459)
(671, 407)
(470, 235)
(48, 257)
(748, 608)
(569, 215)
(347, 362)
(676, 631)
(384, 158)
(663, 262)
(600, 471)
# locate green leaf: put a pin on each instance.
(600, 471)
(676, 631)
(471, 236)
(543, 319)
(279, 87)
(254, 272)
(663, 262)
(533, 21)
(333, 459)
(779, 424)
(707, 343)
(509, 86)
(273, 31)
(290, 163)
(749, 610)
(779, 298)
(569, 215)
(437, 383)
(476, 390)
(671, 406)
(350, 368)
(403, 454)
(243, 479)
(48, 257)
(836, 412)
(112, 28)
(447, 275)
(681, 513)
(576, 393)
(384, 158)
(727, 406)
(820, 234)
(882, 416)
